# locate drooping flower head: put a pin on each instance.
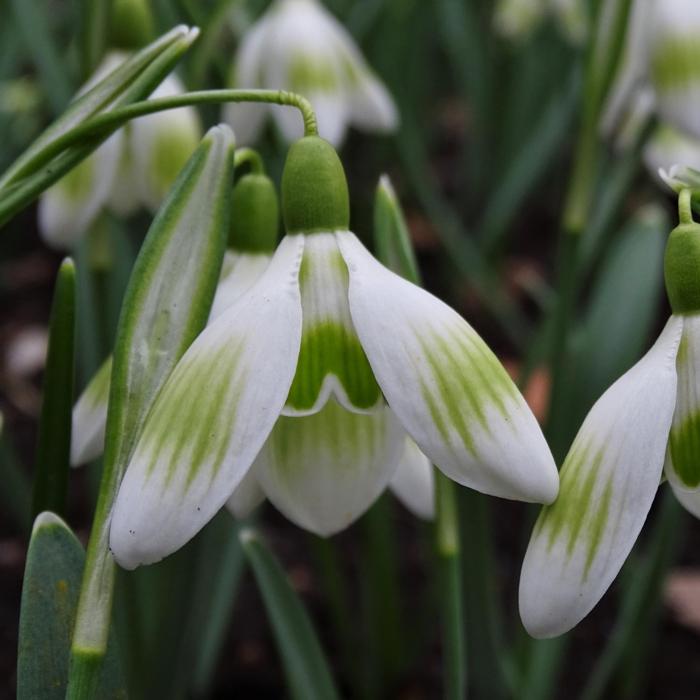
(316, 374)
(645, 424)
(297, 45)
(134, 167)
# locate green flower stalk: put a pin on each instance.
(646, 424)
(316, 375)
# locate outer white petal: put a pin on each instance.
(323, 471)
(67, 209)
(683, 456)
(371, 106)
(247, 496)
(124, 197)
(239, 273)
(161, 143)
(447, 388)
(608, 483)
(212, 417)
(247, 119)
(90, 416)
(414, 481)
(675, 61)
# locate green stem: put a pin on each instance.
(250, 157)
(382, 598)
(685, 208)
(65, 152)
(105, 123)
(447, 548)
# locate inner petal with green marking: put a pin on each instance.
(331, 359)
(684, 439)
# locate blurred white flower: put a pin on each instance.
(134, 167)
(517, 19)
(297, 45)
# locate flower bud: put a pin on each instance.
(131, 24)
(314, 188)
(255, 218)
(682, 265)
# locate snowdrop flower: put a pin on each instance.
(516, 19)
(646, 423)
(134, 167)
(319, 371)
(299, 46)
(252, 240)
(660, 56)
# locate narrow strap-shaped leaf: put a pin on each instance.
(137, 72)
(305, 665)
(49, 599)
(165, 307)
(53, 450)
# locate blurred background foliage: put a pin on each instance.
(481, 164)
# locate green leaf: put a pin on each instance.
(623, 308)
(38, 37)
(133, 80)
(53, 451)
(166, 305)
(305, 665)
(52, 576)
(391, 238)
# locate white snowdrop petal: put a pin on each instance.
(413, 482)
(608, 483)
(212, 417)
(447, 388)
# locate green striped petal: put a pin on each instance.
(161, 143)
(675, 62)
(331, 360)
(323, 471)
(447, 388)
(90, 416)
(683, 455)
(212, 417)
(413, 482)
(608, 483)
(68, 208)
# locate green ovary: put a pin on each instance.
(684, 444)
(581, 512)
(329, 348)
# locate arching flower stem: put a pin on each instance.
(65, 152)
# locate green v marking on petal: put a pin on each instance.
(684, 444)
(676, 62)
(575, 514)
(190, 418)
(463, 371)
(329, 348)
